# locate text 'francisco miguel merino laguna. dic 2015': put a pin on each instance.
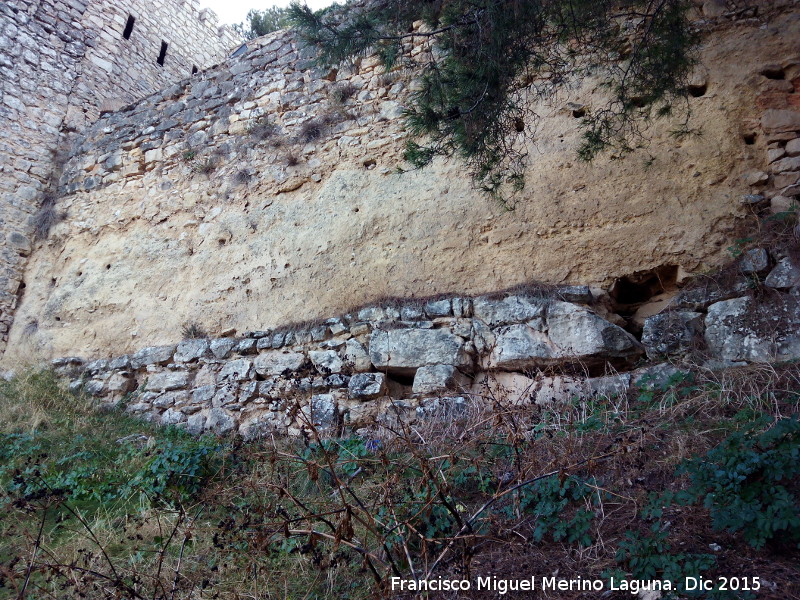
(504, 586)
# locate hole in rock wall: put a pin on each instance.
(749, 138)
(695, 91)
(129, 27)
(400, 381)
(631, 291)
(163, 54)
(194, 69)
(773, 72)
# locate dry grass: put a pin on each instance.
(29, 401)
(441, 496)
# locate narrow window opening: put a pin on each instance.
(129, 27)
(163, 54)
(194, 69)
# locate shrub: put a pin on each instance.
(747, 483)
(648, 557)
(487, 59)
(550, 499)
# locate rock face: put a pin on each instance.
(148, 193)
(739, 330)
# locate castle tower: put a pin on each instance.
(62, 63)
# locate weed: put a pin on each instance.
(311, 130)
(242, 177)
(292, 159)
(649, 558)
(264, 129)
(745, 483)
(47, 217)
(193, 330)
(342, 92)
(88, 507)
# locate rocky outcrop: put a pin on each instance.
(755, 318)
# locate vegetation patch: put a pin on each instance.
(694, 476)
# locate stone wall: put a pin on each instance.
(407, 362)
(264, 191)
(61, 64)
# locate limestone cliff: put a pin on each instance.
(264, 192)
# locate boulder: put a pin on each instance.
(572, 334)
(245, 346)
(274, 362)
(577, 332)
(222, 347)
(671, 333)
(167, 380)
(511, 309)
(202, 396)
(321, 412)
(700, 297)
(366, 386)
(237, 370)
(580, 294)
(326, 361)
(406, 350)
(121, 383)
(195, 424)
(94, 387)
(96, 366)
(785, 275)
(190, 350)
(356, 356)
(655, 376)
(155, 355)
(518, 347)
(743, 330)
(462, 307)
(754, 261)
(442, 408)
(438, 308)
(120, 363)
(172, 416)
(219, 421)
(434, 379)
